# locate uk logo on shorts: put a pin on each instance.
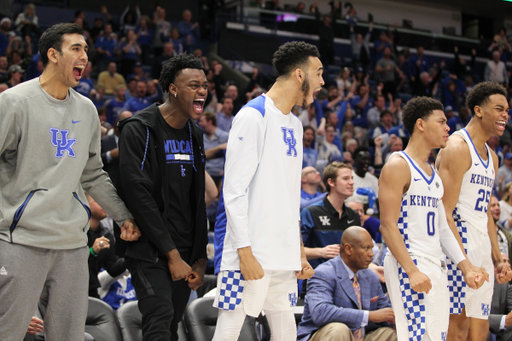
(60, 140)
(486, 310)
(290, 140)
(443, 336)
(293, 299)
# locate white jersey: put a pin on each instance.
(260, 200)
(476, 189)
(422, 214)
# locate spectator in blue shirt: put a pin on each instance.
(418, 61)
(458, 122)
(309, 153)
(5, 33)
(189, 31)
(225, 115)
(215, 141)
(310, 182)
(107, 48)
(131, 53)
(361, 103)
(453, 92)
(115, 106)
(141, 101)
(86, 84)
(380, 44)
(144, 38)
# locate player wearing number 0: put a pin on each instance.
(468, 167)
(414, 227)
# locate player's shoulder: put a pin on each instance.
(456, 144)
(456, 154)
(22, 91)
(396, 171)
(254, 107)
(396, 163)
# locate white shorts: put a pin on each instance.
(477, 303)
(276, 291)
(418, 316)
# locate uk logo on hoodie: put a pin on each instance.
(60, 139)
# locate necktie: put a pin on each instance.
(358, 333)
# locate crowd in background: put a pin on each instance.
(356, 118)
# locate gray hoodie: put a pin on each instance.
(50, 154)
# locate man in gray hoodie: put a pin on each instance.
(50, 154)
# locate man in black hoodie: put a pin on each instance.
(161, 177)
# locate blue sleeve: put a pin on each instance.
(324, 106)
(341, 114)
(319, 113)
(306, 224)
(307, 202)
(337, 143)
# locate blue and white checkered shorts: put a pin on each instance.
(413, 306)
(456, 283)
(230, 291)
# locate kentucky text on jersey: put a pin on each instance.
(423, 200)
(482, 180)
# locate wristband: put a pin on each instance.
(92, 252)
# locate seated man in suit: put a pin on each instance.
(344, 299)
(500, 320)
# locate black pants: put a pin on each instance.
(162, 301)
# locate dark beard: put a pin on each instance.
(305, 91)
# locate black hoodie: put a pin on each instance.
(143, 185)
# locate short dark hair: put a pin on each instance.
(309, 128)
(328, 113)
(52, 38)
(419, 107)
(223, 99)
(293, 55)
(386, 112)
(173, 67)
(360, 149)
(210, 117)
(481, 92)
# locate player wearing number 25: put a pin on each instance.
(468, 168)
(415, 229)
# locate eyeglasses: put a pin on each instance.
(313, 171)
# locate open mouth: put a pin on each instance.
(77, 72)
(501, 125)
(198, 105)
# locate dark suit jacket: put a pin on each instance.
(501, 305)
(108, 142)
(331, 298)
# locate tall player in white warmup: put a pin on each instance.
(258, 253)
(414, 227)
(468, 169)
